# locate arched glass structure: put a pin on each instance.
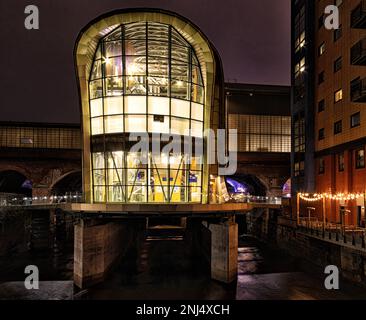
(145, 77)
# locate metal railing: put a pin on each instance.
(335, 232)
(7, 200)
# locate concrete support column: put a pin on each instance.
(96, 249)
(224, 251)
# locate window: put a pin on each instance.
(337, 33)
(338, 127)
(260, 133)
(321, 166)
(321, 135)
(355, 120)
(299, 67)
(321, 49)
(299, 168)
(341, 162)
(300, 29)
(338, 64)
(321, 77)
(338, 95)
(321, 105)
(360, 158)
(299, 132)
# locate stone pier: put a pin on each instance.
(224, 251)
(97, 247)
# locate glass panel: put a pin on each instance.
(113, 48)
(158, 67)
(178, 194)
(159, 177)
(179, 126)
(96, 70)
(134, 160)
(115, 177)
(197, 93)
(136, 176)
(96, 89)
(136, 85)
(196, 75)
(98, 160)
(135, 47)
(115, 193)
(177, 178)
(194, 194)
(160, 161)
(113, 86)
(135, 65)
(113, 105)
(157, 193)
(158, 105)
(194, 59)
(158, 31)
(158, 49)
(135, 105)
(158, 124)
(99, 177)
(113, 66)
(115, 159)
(115, 35)
(97, 125)
(158, 86)
(197, 111)
(178, 39)
(180, 71)
(98, 53)
(137, 193)
(197, 129)
(96, 107)
(99, 194)
(180, 53)
(195, 178)
(196, 163)
(180, 89)
(135, 123)
(180, 108)
(113, 124)
(135, 30)
(177, 162)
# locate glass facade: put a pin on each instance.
(40, 137)
(259, 133)
(145, 78)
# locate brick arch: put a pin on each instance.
(63, 176)
(11, 167)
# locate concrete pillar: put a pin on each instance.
(96, 249)
(224, 251)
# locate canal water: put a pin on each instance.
(164, 269)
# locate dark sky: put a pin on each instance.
(37, 79)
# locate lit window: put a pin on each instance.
(360, 158)
(338, 95)
(321, 49)
(300, 67)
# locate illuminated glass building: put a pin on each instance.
(146, 71)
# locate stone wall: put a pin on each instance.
(350, 261)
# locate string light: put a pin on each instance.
(336, 197)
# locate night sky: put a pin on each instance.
(37, 79)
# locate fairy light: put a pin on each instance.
(336, 197)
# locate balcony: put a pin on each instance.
(358, 90)
(358, 53)
(358, 16)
